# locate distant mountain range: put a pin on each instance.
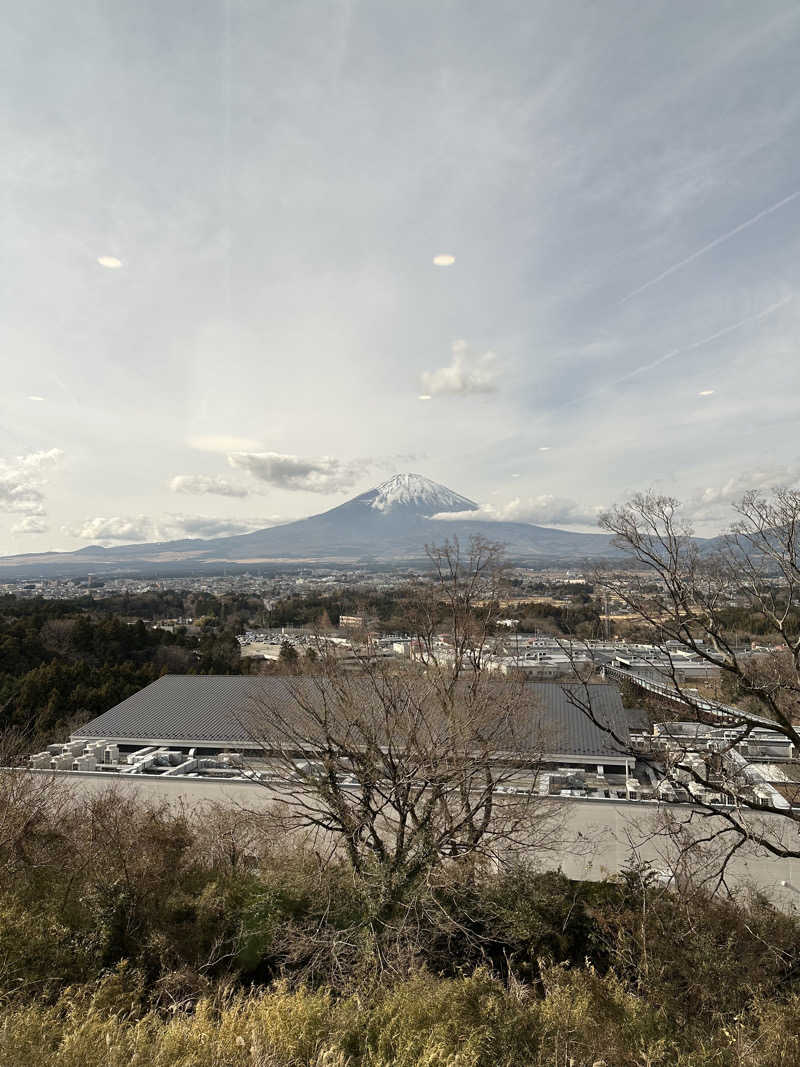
(389, 524)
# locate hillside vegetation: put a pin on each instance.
(63, 662)
(133, 934)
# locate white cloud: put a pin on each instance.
(547, 509)
(465, 375)
(765, 478)
(22, 479)
(134, 529)
(210, 526)
(484, 513)
(20, 497)
(30, 525)
(204, 483)
(223, 443)
(114, 528)
(544, 510)
(322, 474)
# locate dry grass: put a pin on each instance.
(582, 1020)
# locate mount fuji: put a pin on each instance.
(388, 524)
(413, 492)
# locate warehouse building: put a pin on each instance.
(182, 740)
(209, 726)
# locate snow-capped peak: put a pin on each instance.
(418, 494)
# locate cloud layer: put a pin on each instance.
(22, 480)
(714, 501)
(323, 474)
(465, 375)
(286, 304)
(30, 525)
(135, 529)
(200, 484)
(544, 510)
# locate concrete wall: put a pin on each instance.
(601, 837)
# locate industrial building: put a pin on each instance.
(214, 727)
(207, 726)
(181, 740)
(715, 763)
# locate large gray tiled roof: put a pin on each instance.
(218, 711)
(567, 730)
(206, 709)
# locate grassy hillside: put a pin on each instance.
(134, 935)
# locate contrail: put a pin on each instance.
(770, 310)
(713, 244)
(705, 340)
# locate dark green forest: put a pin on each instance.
(63, 662)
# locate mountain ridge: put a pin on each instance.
(389, 523)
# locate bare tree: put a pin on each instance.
(410, 767)
(688, 593)
(29, 804)
(454, 615)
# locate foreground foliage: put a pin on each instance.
(134, 934)
(581, 1019)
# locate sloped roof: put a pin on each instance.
(210, 711)
(569, 731)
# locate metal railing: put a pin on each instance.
(714, 708)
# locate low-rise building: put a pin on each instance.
(199, 725)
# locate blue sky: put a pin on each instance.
(618, 186)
